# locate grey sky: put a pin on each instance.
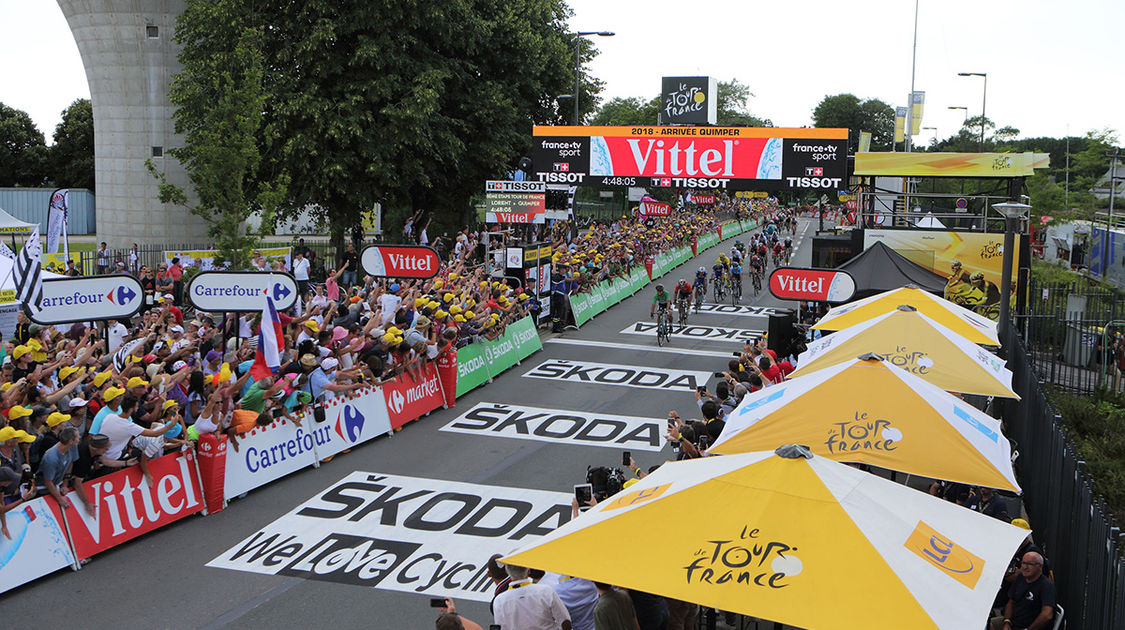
(1049, 64)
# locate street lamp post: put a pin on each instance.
(1012, 212)
(983, 102)
(578, 64)
(962, 108)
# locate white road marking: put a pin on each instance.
(640, 348)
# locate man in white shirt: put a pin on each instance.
(115, 334)
(529, 606)
(301, 273)
(120, 428)
(389, 303)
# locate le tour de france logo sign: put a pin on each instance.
(235, 291)
(400, 261)
(86, 299)
(818, 285)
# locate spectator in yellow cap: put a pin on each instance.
(136, 386)
(101, 377)
(112, 405)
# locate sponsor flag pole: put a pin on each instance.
(77, 564)
(189, 451)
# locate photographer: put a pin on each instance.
(450, 620)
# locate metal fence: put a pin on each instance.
(1070, 329)
(1071, 523)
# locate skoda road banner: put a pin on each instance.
(241, 291)
(400, 261)
(88, 299)
(697, 333)
(726, 158)
(561, 370)
(511, 207)
(128, 506)
(655, 209)
(587, 428)
(406, 534)
(34, 546)
(818, 285)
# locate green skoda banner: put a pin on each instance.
(478, 362)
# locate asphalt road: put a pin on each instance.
(160, 580)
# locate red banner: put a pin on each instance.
(400, 261)
(408, 399)
(655, 209)
(127, 506)
(212, 452)
(819, 285)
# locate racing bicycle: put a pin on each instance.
(719, 281)
(663, 326)
(757, 282)
(684, 306)
(699, 293)
(735, 289)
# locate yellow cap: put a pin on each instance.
(389, 338)
(394, 330)
(168, 404)
(440, 314)
(101, 377)
(25, 437)
(136, 381)
(34, 344)
(455, 309)
(18, 412)
(111, 393)
(523, 296)
(57, 418)
(65, 372)
(439, 283)
(7, 433)
(312, 325)
(469, 315)
(458, 318)
(448, 297)
(1022, 524)
(452, 276)
(19, 351)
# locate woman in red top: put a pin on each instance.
(176, 272)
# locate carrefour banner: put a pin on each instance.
(970, 261)
(724, 158)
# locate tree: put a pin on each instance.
(732, 106)
(627, 112)
(23, 151)
(220, 99)
(414, 116)
(731, 109)
(70, 160)
(848, 111)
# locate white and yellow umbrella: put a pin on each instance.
(918, 344)
(976, 328)
(868, 411)
(797, 539)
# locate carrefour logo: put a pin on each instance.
(121, 295)
(397, 401)
(349, 425)
(280, 291)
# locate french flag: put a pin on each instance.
(267, 358)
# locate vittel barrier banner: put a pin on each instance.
(725, 158)
(35, 544)
(127, 506)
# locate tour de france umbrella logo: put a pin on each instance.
(750, 558)
(862, 433)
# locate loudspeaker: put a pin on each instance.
(780, 331)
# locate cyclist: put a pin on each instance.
(788, 248)
(683, 296)
(721, 265)
(661, 299)
(736, 276)
(756, 268)
(778, 248)
(735, 255)
(701, 279)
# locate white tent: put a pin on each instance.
(12, 225)
(929, 221)
(8, 279)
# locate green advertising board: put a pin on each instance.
(472, 368)
(478, 362)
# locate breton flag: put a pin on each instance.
(271, 339)
(57, 211)
(29, 273)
